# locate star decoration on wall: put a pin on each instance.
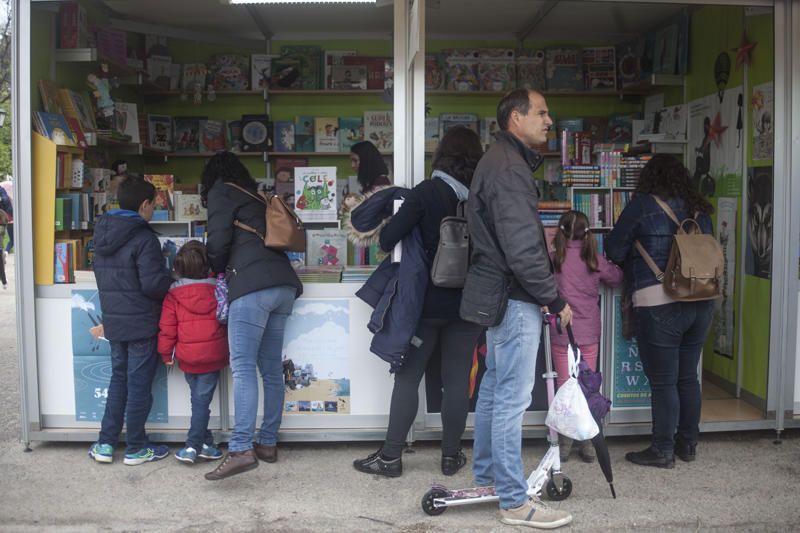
(717, 129)
(743, 52)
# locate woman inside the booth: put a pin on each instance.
(670, 334)
(262, 288)
(372, 170)
(440, 327)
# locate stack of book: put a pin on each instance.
(320, 274)
(582, 175)
(357, 274)
(630, 169)
(550, 212)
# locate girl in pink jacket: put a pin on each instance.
(580, 269)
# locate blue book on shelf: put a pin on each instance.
(160, 215)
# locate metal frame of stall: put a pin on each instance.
(409, 97)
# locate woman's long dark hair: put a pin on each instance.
(227, 167)
(665, 176)
(370, 164)
(458, 154)
(574, 226)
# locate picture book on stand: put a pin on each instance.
(564, 69)
(349, 77)
(256, 133)
(187, 134)
(126, 121)
(284, 136)
(315, 194)
(599, 68)
(230, 72)
(531, 69)
(351, 131)
(326, 247)
(55, 127)
(496, 69)
(461, 68)
(378, 130)
(326, 137)
(260, 71)
(212, 138)
(449, 120)
(304, 133)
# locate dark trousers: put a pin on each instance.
(3, 279)
(130, 397)
(202, 387)
(671, 339)
(10, 243)
(456, 340)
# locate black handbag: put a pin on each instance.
(451, 263)
(485, 296)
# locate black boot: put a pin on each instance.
(651, 457)
(686, 452)
(375, 463)
(451, 464)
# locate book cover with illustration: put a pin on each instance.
(315, 194)
(434, 74)
(284, 136)
(449, 120)
(187, 134)
(194, 74)
(159, 132)
(378, 129)
(599, 68)
(326, 247)
(326, 134)
(212, 137)
(304, 133)
(331, 58)
(376, 69)
(230, 72)
(284, 177)
(351, 131)
(564, 69)
(349, 77)
(260, 71)
(489, 129)
(620, 127)
(126, 121)
(496, 69)
(461, 70)
(234, 135)
(256, 133)
(531, 69)
(308, 62)
(165, 186)
(55, 127)
(431, 134)
(189, 208)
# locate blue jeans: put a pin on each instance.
(202, 388)
(671, 339)
(130, 397)
(505, 393)
(255, 336)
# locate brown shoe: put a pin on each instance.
(234, 463)
(268, 454)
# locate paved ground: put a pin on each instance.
(741, 482)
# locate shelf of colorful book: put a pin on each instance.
(623, 92)
(166, 155)
(274, 92)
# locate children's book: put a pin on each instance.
(434, 73)
(159, 70)
(326, 134)
(620, 127)
(212, 137)
(284, 177)
(635, 60)
(376, 69)
(189, 208)
(187, 134)
(461, 70)
(63, 271)
(489, 129)
(599, 68)
(230, 72)
(332, 58)
(256, 133)
(308, 62)
(49, 92)
(260, 71)
(326, 247)
(597, 127)
(496, 69)
(286, 73)
(73, 25)
(55, 127)
(77, 105)
(159, 132)
(351, 131)
(126, 121)
(77, 132)
(304, 133)
(531, 69)
(284, 136)
(564, 69)
(194, 74)
(449, 120)
(165, 185)
(431, 134)
(378, 130)
(234, 135)
(315, 194)
(349, 77)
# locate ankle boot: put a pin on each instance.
(586, 451)
(234, 463)
(651, 457)
(564, 447)
(268, 454)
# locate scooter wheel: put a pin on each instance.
(557, 495)
(427, 502)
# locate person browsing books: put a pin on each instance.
(132, 280)
(190, 333)
(509, 250)
(262, 287)
(371, 168)
(442, 332)
(580, 269)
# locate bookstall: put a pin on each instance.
(153, 88)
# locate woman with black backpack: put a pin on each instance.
(440, 328)
(670, 333)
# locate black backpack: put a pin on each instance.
(451, 263)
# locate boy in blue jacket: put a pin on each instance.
(132, 279)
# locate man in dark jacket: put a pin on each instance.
(508, 242)
(132, 279)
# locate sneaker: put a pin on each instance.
(145, 455)
(102, 453)
(651, 457)
(210, 453)
(451, 464)
(186, 455)
(234, 463)
(535, 513)
(376, 464)
(686, 452)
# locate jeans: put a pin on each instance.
(202, 388)
(130, 397)
(506, 392)
(10, 243)
(255, 337)
(671, 339)
(456, 340)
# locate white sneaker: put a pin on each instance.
(5, 254)
(535, 513)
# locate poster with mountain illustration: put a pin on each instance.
(315, 194)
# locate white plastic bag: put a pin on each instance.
(569, 413)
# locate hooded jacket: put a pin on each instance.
(131, 275)
(189, 326)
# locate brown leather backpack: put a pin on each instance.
(695, 265)
(285, 230)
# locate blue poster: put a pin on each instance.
(631, 386)
(91, 363)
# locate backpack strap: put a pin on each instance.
(443, 195)
(258, 197)
(668, 210)
(646, 256)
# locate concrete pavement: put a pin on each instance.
(740, 482)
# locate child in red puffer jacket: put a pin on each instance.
(189, 333)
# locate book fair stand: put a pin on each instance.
(102, 89)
